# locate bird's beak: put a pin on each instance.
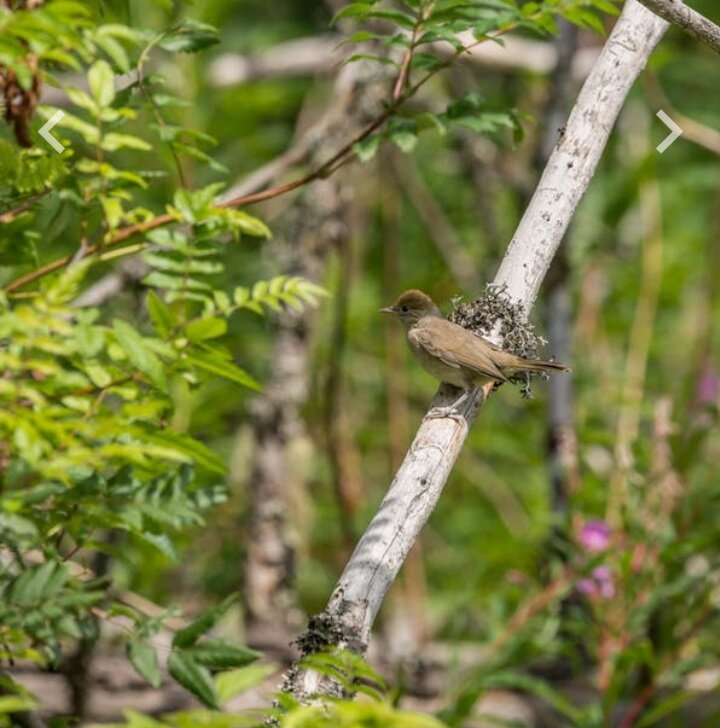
(387, 309)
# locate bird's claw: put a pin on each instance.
(437, 413)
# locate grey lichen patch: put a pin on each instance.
(324, 630)
(292, 684)
(494, 310)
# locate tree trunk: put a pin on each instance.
(318, 227)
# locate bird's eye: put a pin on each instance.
(404, 309)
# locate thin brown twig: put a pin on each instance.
(404, 75)
(641, 700)
(10, 215)
(650, 690)
(530, 608)
(405, 66)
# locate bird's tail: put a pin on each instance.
(538, 365)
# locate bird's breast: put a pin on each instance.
(434, 365)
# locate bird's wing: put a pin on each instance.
(460, 348)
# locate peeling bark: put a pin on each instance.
(689, 20)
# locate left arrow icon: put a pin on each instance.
(55, 119)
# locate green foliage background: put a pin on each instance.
(132, 418)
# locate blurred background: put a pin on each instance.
(615, 467)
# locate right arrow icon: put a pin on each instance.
(675, 131)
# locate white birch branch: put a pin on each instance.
(689, 20)
(418, 484)
(572, 164)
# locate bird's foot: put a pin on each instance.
(437, 413)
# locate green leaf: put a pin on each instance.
(88, 132)
(189, 37)
(426, 62)
(189, 635)
(663, 707)
(175, 283)
(367, 148)
(82, 99)
(217, 654)
(113, 210)
(183, 267)
(426, 120)
(161, 542)
(102, 83)
(222, 368)
(112, 142)
(183, 201)
(138, 720)
(139, 353)
(206, 328)
(98, 374)
(37, 583)
(385, 61)
(16, 704)
(114, 49)
(354, 10)
(248, 224)
(404, 20)
(234, 682)
(66, 286)
(192, 449)
(160, 314)
(467, 105)
(361, 36)
(403, 133)
(199, 154)
(606, 6)
(144, 660)
(194, 677)
(355, 714)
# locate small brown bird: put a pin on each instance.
(454, 354)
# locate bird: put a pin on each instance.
(454, 354)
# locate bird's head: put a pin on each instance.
(411, 306)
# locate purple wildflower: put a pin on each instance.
(587, 587)
(603, 578)
(708, 386)
(599, 585)
(595, 536)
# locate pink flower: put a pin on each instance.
(603, 578)
(587, 587)
(599, 585)
(708, 386)
(594, 536)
